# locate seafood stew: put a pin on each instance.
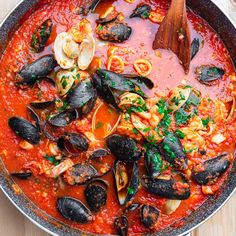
(100, 131)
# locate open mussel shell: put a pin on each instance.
(127, 181)
(174, 187)
(121, 224)
(24, 129)
(41, 36)
(37, 70)
(149, 215)
(73, 209)
(42, 105)
(64, 118)
(209, 171)
(142, 11)
(172, 151)
(110, 15)
(124, 148)
(153, 161)
(35, 117)
(82, 97)
(22, 175)
(195, 46)
(73, 143)
(96, 194)
(80, 174)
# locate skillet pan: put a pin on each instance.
(225, 28)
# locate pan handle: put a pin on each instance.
(189, 234)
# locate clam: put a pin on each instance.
(73, 209)
(96, 194)
(124, 148)
(62, 59)
(127, 184)
(37, 70)
(87, 51)
(71, 48)
(73, 143)
(80, 174)
(121, 225)
(209, 171)
(41, 36)
(149, 215)
(175, 186)
(24, 129)
(172, 151)
(128, 100)
(142, 11)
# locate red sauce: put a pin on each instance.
(166, 74)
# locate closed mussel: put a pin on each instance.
(24, 129)
(96, 194)
(142, 11)
(149, 215)
(82, 97)
(175, 186)
(124, 148)
(80, 174)
(209, 171)
(41, 36)
(121, 225)
(73, 143)
(39, 69)
(73, 209)
(172, 150)
(127, 181)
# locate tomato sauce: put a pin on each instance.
(166, 74)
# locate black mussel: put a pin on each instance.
(99, 153)
(209, 171)
(142, 11)
(96, 194)
(22, 175)
(121, 225)
(42, 105)
(82, 97)
(209, 74)
(114, 31)
(41, 36)
(64, 118)
(73, 209)
(195, 45)
(24, 129)
(171, 187)
(73, 143)
(127, 181)
(124, 148)
(35, 117)
(37, 70)
(172, 150)
(80, 174)
(93, 4)
(132, 207)
(153, 161)
(149, 215)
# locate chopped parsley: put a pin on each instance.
(182, 117)
(135, 131)
(99, 125)
(99, 28)
(206, 121)
(180, 134)
(51, 159)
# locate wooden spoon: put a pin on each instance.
(174, 33)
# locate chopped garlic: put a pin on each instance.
(218, 138)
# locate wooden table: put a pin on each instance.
(13, 223)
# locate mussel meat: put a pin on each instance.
(41, 36)
(64, 118)
(172, 150)
(153, 161)
(73, 143)
(209, 171)
(209, 74)
(171, 187)
(142, 11)
(80, 174)
(121, 225)
(96, 194)
(149, 215)
(24, 129)
(127, 184)
(82, 98)
(124, 148)
(73, 209)
(37, 70)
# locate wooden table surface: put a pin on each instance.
(13, 223)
